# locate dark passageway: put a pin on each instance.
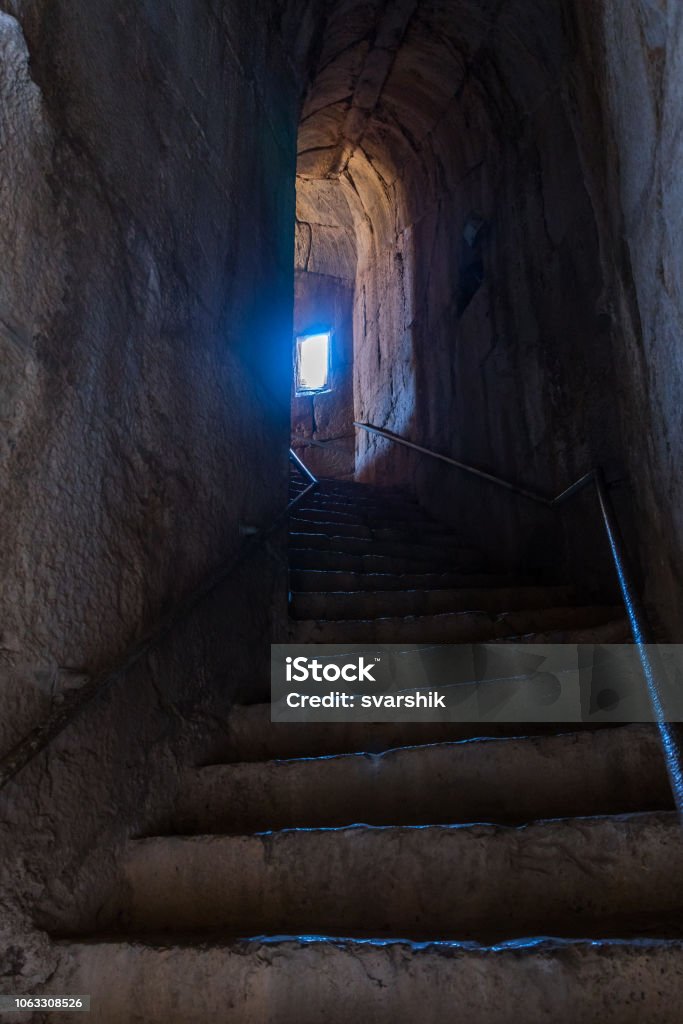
(228, 229)
(440, 177)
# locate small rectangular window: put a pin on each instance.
(313, 363)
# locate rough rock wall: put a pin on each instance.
(512, 172)
(114, 772)
(479, 319)
(147, 209)
(146, 222)
(628, 90)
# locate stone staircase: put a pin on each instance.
(369, 565)
(395, 872)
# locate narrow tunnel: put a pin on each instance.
(309, 310)
(441, 194)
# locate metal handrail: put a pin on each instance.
(55, 723)
(540, 499)
(305, 471)
(640, 627)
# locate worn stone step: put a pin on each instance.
(345, 561)
(608, 771)
(419, 531)
(350, 490)
(429, 534)
(307, 980)
(368, 514)
(352, 528)
(358, 538)
(329, 580)
(410, 509)
(331, 483)
(367, 605)
(365, 496)
(615, 631)
(321, 506)
(574, 877)
(372, 515)
(251, 736)
(456, 627)
(434, 550)
(316, 515)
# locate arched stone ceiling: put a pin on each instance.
(407, 97)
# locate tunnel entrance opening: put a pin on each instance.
(312, 363)
(322, 431)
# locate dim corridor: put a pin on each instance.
(433, 245)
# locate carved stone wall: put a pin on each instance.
(147, 162)
(479, 318)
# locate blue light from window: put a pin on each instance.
(312, 363)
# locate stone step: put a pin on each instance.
(381, 530)
(456, 627)
(318, 499)
(350, 516)
(325, 558)
(369, 604)
(609, 771)
(370, 514)
(575, 877)
(435, 550)
(251, 736)
(331, 485)
(348, 490)
(349, 529)
(326, 581)
(616, 631)
(307, 980)
(362, 493)
(366, 515)
(319, 504)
